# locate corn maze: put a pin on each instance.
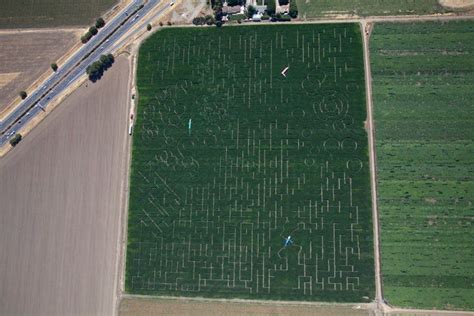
(245, 136)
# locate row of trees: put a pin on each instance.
(203, 20)
(93, 30)
(96, 70)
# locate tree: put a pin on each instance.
(99, 23)
(169, 23)
(161, 23)
(210, 19)
(95, 71)
(86, 37)
(104, 59)
(200, 20)
(15, 140)
(218, 6)
(218, 13)
(23, 95)
(231, 3)
(293, 9)
(219, 23)
(111, 58)
(54, 66)
(271, 7)
(93, 30)
(148, 27)
(251, 11)
(283, 2)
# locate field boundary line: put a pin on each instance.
(122, 240)
(44, 30)
(428, 312)
(124, 189)
(365, 32)
(374, 19)
(387, 18)
(368, 306)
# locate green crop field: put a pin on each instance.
(51, 13)
(230, 158)
(321, 8)
(424, 115)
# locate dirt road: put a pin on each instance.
(60, 193)
(373, 182)
(193, 307)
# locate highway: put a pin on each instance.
(103, 43)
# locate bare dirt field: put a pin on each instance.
(61, 205)
(145, 306)
(186, 11)
(24, 56)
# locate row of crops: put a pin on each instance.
(423, 78)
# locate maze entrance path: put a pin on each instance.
(230, 158)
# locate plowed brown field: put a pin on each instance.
(61, 200)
